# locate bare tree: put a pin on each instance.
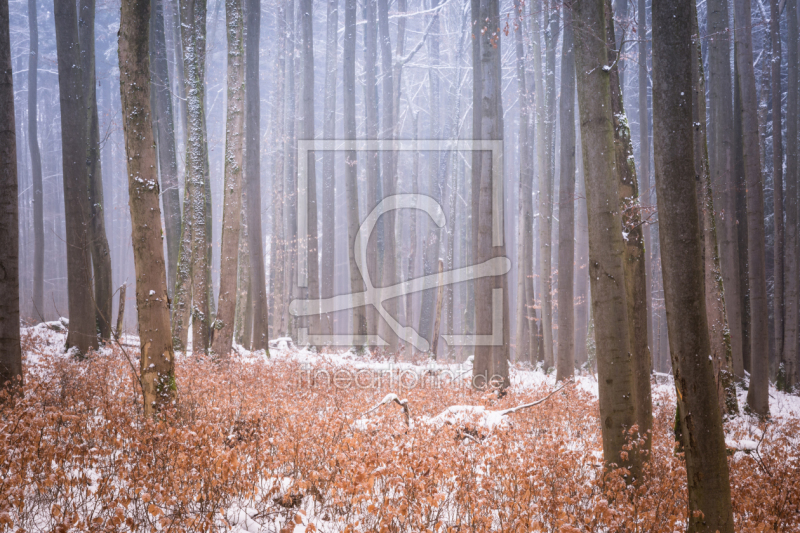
(152, 301)
(777, 174)
(758, 394)
(606, 245)
(82, 327)
(681, 253)
(278, 248)
(566, 211)
(789, 356)
(222, 332)
(644, 161)
(10, 351)
(36, 162)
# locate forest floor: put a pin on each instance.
(305, 442)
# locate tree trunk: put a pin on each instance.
(82, 328)
(36, 164)
(789, 356)
(721, 165)
(278, 248)
(359, 326)
(606, 245)
(193, 20)
(152, 301)
(10, 351)
(645, 196)
(222, 334)
(757, 395)
(777, 175)
(328, 161)
(680, 240)
(582, 264)
(566, 210)
(101, 259)
(252, 175)
(491, 362)
(165, 140)
(289, 168)
(411, 251)
(525, 296)
(714, 295)
(741, 215)
(635, 274)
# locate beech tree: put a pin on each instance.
(36, 162)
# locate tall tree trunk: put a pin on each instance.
(278, 248)
(359, 327)
(289, 168)
(721, 165)
(387, 167)
(635, 274)
(582, 264)
(193, 21)
(606, 245)
(777, 174)
(680, 240)
(566, 210)
(10, 351)
(714, 294)
(36, 164)
(252, 175)
(525, 296)
(645, 196)
(82, 328)
(328, 161)
(411, 250)
(738, 173)
(491, 362)
(222, 333)
(101, 259)
(789, 356)
(758, 394)
(165, 140)
(152, 301)
(312, 250)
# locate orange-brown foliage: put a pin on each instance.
(76, 455)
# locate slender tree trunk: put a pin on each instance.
(566, 210)
(359, 327)
(491, 362)
(790, 349)
(252, 176)
(741, 215)
(193, 20)
(328, 161)
(582, 264)
(10, 351)
(525, 224)
(101, 259)
(222, 334)
(680, 241)
(152, 301)
(777, 174)
(289, 168)
(606, 245)
(278, 248)
(82, 328)
(721, 165)
(412, 230)
(714, 295)
(165, 137)
(645, 196)
(635, 273)
(757, 395)
(36, 164)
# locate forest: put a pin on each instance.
(399, 266)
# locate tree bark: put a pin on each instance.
(582, 263)
(566, 211)
(10, 351)
(721, 166)
(741, 215)
(491, 362)
(82, 328)
(152, 301)
(645, 196)
(165, 140)
(790, 349)
(758, 394)
(359, 326)
(777, 175)
(681, 253)
(606, 245)
(289, 169)
(252, 175)
(328, 161)
(278, 248)
(36, 163)
(222, 334)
